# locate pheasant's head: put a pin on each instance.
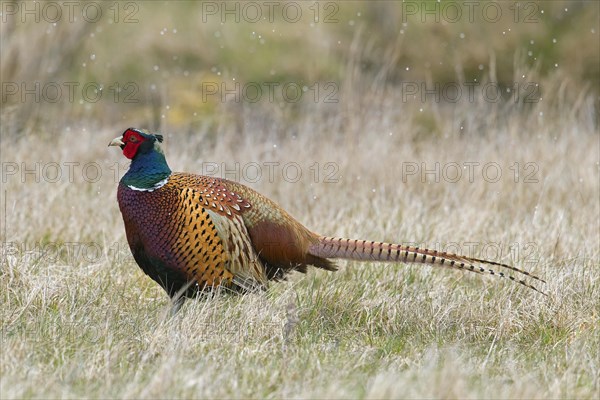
(137, 141)
(149, 170)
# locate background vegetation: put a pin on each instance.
(79, 319)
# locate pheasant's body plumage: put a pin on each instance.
(206, 230)
(192, 233)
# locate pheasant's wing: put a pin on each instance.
(214, 194)
(280, 241)
(216, 230)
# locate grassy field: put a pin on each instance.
(515, 181)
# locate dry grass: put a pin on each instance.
(80, 319)
(91, 324)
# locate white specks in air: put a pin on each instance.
(531, 41)
(556, 65)
(92, 57)
(408, 68)
(480, 67)
(156, 68)
(553, 40)
(462, 35)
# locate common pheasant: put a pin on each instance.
(192, 233)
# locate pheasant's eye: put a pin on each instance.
(133, 139)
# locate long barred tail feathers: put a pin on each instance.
(363, 250)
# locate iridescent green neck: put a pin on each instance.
(147, 170)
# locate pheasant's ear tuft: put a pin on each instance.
(159, 138)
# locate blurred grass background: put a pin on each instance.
(161, 53)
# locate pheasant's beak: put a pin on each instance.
(117, 142)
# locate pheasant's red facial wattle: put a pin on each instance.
(132, 140)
